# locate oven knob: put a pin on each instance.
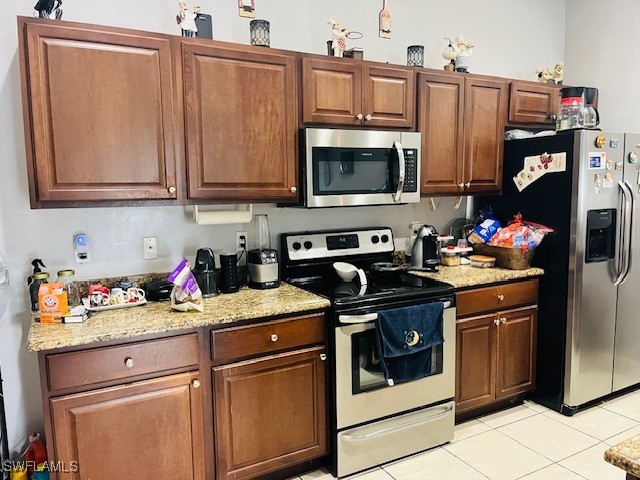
(297, 246)
(375, 239)
(384, 238)
(308, 244)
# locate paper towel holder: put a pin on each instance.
(242, 214)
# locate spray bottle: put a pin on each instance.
(34, 281)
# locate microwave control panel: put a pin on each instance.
(410, 170)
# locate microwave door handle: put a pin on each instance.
(401, 173)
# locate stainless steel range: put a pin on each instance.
(372, 423)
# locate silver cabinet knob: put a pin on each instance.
(500, 297)
(552, 117)
(503, 320)
(468, 184)
(359, 116)
(496, 321)
(128, 362)
(461, 186)
(274, 337)
(196, 384)
(323, 356)
(293, 189)
(368, 118)
(172, 190)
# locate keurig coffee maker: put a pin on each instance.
(262, 261)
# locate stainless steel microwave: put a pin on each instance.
(361, 167)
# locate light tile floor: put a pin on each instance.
(528, 442)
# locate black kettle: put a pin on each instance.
(205, 272)
(425, 248)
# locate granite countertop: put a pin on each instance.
(157, 317)
(626, 455)
(466, 276)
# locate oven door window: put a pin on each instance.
(340, 171)
(366, 371)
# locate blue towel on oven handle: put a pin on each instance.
(405, 338)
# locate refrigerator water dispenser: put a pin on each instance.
(601, 235)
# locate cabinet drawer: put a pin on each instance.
(238, 342)
(498, 297)
(88, 367)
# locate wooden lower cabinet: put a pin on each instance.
(147, 429)
(269, 413)
(495, 350)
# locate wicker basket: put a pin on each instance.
(511, 258)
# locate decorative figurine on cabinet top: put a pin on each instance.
(551, 75)
(450, 54)
(187, 19)
(385, 21)
(339, 36)
(463, 54)
(545, 75)
(44, 9)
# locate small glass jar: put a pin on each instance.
(571, 113)
(415, 55)
(67, 277)
(259, 33)
(450, 258)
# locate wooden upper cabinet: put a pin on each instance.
(240, 123)
(105, 431)
(485, 117)
(99, 114)
(332, 92)
(348, 92)
(531, 102)
(462, 120)
(440, 117)
(388, 96)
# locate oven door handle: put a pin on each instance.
(402, 426)
(367, 317)
(401, 171)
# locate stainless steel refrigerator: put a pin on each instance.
(589, 300)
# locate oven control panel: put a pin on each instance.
(313, 245)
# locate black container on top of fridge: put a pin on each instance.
(583, 184)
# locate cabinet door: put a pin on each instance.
(533, 102)
(101, 115)
(241, 125)
(153, 428)
(485, 115)
(475, 362)
(516, 347)
(269, 413)
(388, 96)
(440, 113)
(331, 91)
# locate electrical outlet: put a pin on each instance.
(150, 245)
(241, 241)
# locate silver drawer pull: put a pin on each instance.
(323, 356)
(128, 362)
(196, 384)
(367, 317)
(384, 431)
(500, 297)
(274, 337)
(496, 321)
(503, 320)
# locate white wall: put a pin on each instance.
(600, 46)
(505, 50)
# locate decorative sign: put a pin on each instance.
(247, 8)
(539, 165)
(385, 21)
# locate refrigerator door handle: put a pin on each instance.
(630, 207)
(622, 244)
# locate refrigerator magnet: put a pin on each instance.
(597, 160)
(608, 181)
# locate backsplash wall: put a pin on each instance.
(116, 233)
